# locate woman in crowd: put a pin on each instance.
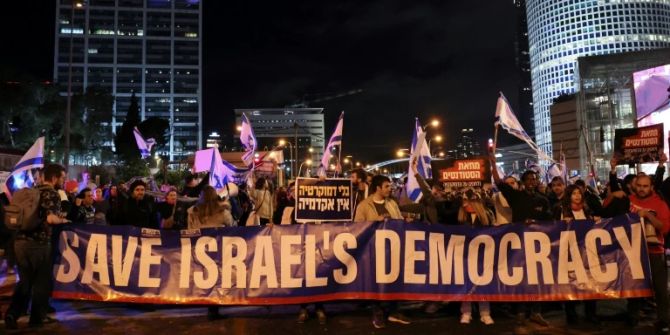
(101, 206)
(573, 207)
(262, 199)
(209, 211)
(474, 212)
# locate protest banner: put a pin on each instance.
(390, 260)
(323, 200)
(471, 172)
(638, 145)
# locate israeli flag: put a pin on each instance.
(335, 140)
(21, 176)
(421, 153)
(222, 172)
(248, 141)
(218, 178)
(144, 146)
(506, 119)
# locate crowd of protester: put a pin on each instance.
(375, 197)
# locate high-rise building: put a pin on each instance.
(467, 145)
(561, 31)
(524, 110)
(301, 129)
(152, 48)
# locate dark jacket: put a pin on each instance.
(526, 205)
(140, 213)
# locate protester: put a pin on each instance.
(83, 212)
(650, 207)
(262, 199)
(33, 255)
(101, 206)
(379, 207)
(210, 211)
(573, 207)
(116, 204)
(359, 186)
(139, 208)
(172, 214)
(557, 191)
(527, 206)
(473, 212)
(501, 205)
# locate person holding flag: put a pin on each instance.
(248, 140)
(335, 140)
(144, 145)
(420, 154)
(21, 175)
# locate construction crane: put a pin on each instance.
(304, 103)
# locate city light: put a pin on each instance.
(435, 123)
(437, 138)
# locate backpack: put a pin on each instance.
(23, 212)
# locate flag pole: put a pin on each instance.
(339, 149)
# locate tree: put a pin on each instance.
(126, 147)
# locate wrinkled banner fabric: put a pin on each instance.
(390, 260)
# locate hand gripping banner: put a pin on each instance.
(390, 260)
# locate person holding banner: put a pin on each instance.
(527, 206)
(654, 211)
(139, 208)
(573, 207)
(474, 212)
(379, 207)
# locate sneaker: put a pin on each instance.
(303, 315)
(10, 322)
(399, 318)
(466, 318)
(378, 320)
(321, 315)
(486, 319)
(537, 318)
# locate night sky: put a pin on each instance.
(420, 58)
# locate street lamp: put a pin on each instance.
(282, 143)
(239, 129)
(401, 153)
(435, 123)
(438, 139)
(349, 160)
(308, 162)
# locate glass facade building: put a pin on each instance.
(152, 48)
(561, 31)
(605, 102)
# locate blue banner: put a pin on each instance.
(323, 200)
(391, 260)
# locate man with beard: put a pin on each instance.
(654, 211)
(33, 254)
(359, 186)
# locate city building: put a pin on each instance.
(561, 31)
(524, 110)
(565, 130)
(152, 48)
(605, 101)
(512, 159)
(301, 129)
(467, 145)
(213, 140)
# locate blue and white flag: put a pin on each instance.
(220, 171)
(421, 153)
(144, 146)
(555, 170)
(218, 176)
(248, 140)
(21, 175)
(335, 140)
(506, 118)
